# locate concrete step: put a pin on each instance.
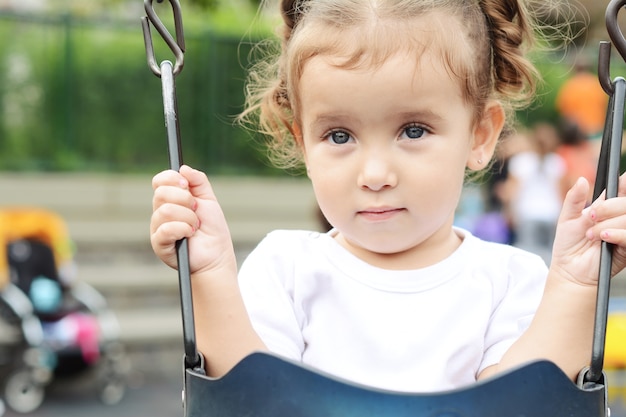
(112, 209)
(145, 327)
(129, 277)
(129, 286)
(144, 298)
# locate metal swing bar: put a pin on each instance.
(167, 72)
(607, 179)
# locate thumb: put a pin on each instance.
(199, 185)
(575, 200)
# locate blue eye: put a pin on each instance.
(339, 137)
(414, 132)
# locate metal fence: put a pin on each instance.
(78, 95)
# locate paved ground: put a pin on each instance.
(154, 390)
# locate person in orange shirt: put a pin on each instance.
(581, 100)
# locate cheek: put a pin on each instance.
(327, 188)
(319, 164)
(331, 190)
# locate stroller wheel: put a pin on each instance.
(113, 374)
(111, 392)
(22, 393)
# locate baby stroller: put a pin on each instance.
(23, 373)
(62, 326)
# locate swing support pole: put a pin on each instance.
(167, 72)
(607, 179)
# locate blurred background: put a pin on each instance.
(82, 133)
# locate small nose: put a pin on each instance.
(377, 171)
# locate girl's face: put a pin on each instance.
(386, 150)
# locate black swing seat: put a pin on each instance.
(264, 385)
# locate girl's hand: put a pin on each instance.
(184, 206)
(580, 231)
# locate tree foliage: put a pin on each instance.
(205, 4)
(214, 4)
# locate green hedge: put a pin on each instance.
(78, 95)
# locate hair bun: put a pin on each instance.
(511, 33)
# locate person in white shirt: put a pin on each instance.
(535, 179)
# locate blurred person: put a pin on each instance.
(582, 101)
(497, 224)
(580, 156)
(535, 191)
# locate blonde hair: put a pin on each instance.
(490, 63)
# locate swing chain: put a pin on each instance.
(177, 46)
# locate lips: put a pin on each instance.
(380, 213)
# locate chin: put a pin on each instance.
(383, 246)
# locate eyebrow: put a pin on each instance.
(423, 114)
(338, 118)
(333, 118)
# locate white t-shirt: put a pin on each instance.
(421, 330)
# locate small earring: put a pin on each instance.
(480, 161)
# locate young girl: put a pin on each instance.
(389, 104)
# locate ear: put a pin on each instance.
(485, 136)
